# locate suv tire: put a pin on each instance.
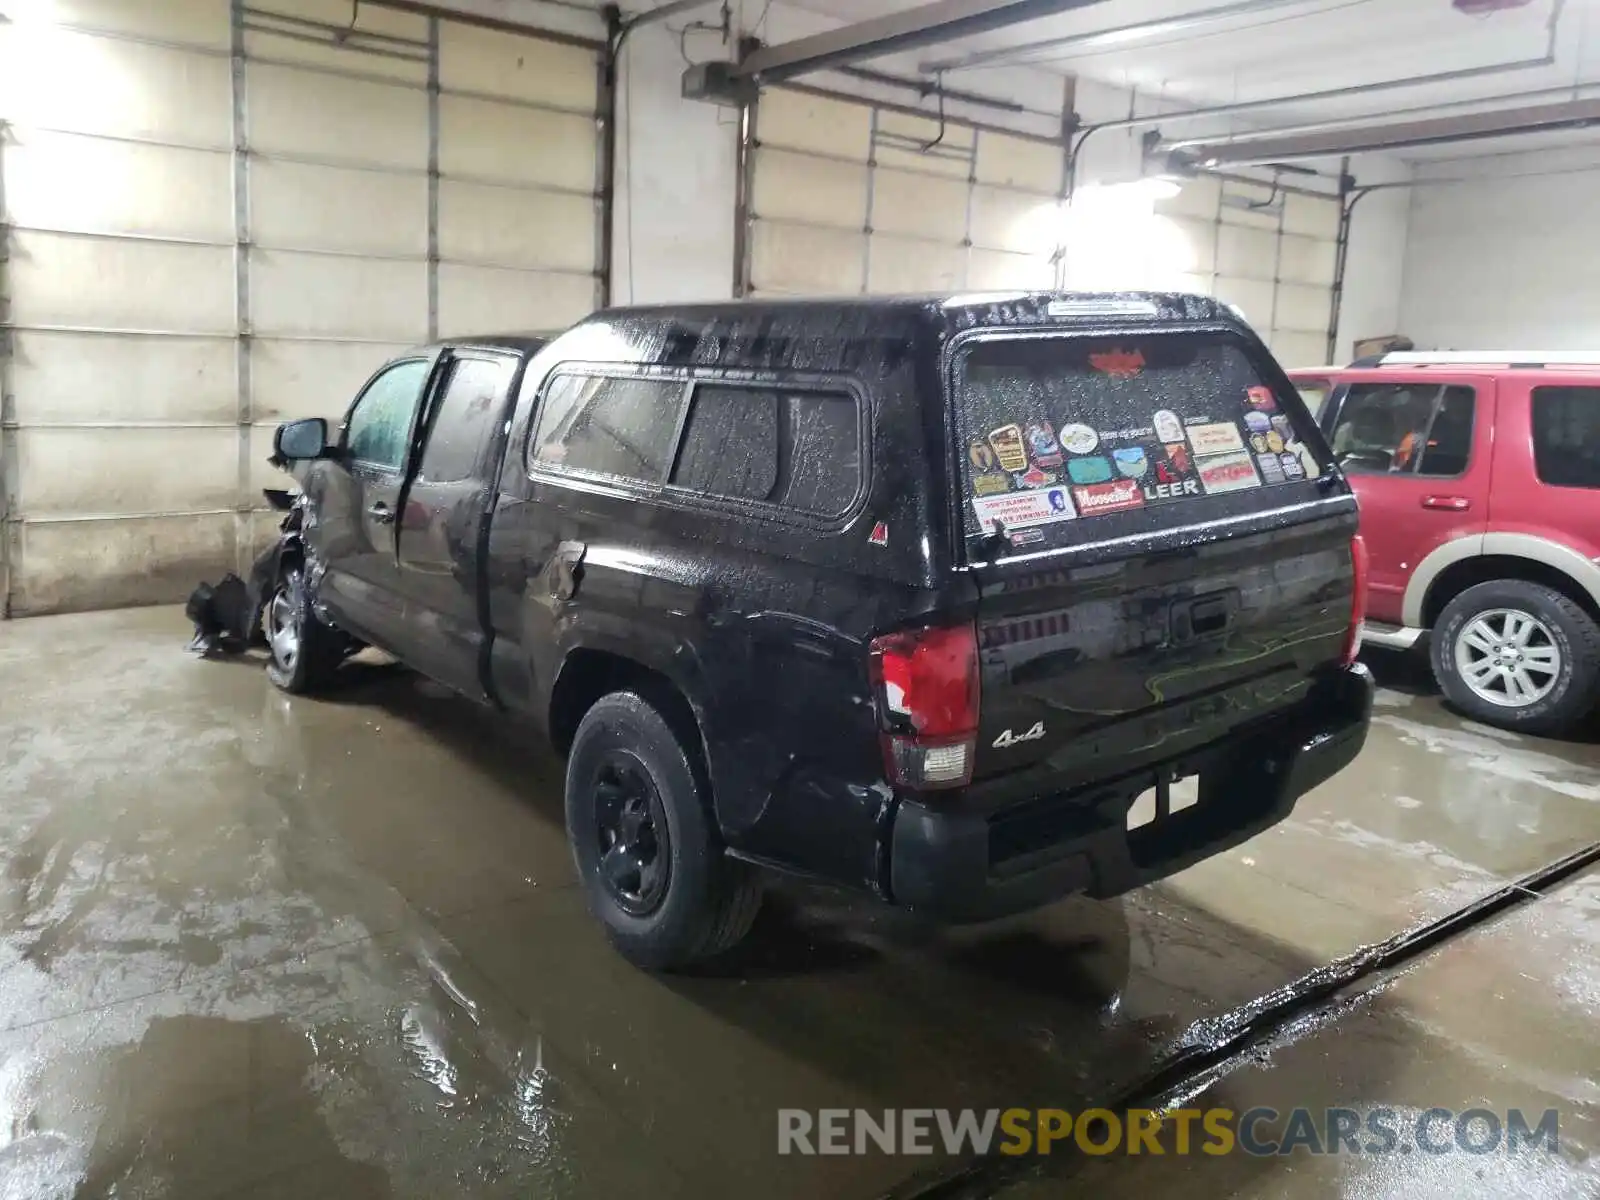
(303, 652)
(1488, 631)
(642, 840)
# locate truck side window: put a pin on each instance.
(460, 425)
(379, 428)
(1566, 436)
(798, 450)
(1405, 429)
(609, 425)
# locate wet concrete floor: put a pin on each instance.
(257, 947)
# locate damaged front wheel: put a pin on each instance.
(304, 652)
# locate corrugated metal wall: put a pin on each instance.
(220, 216)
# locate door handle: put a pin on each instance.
(381, 512)
(1448, 503)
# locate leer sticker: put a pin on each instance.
(1079, 439)
(1042, 445)
(1168, 427)
(1228, 473)
(1008, 448)
(1119, 364)
(1175, 489)
(1108, 497)
(1024, 509)
(1215, 439)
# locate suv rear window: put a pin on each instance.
(1059, 428)
(1566, 436)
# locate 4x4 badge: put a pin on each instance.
(1008, 739)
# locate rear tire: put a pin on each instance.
(643, 842)
(304, 653)
(1517, 655)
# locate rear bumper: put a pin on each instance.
(975, 867)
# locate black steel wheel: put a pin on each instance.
(634, 843)
(646, 846)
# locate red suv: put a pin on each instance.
(1479, 481)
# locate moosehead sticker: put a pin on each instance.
(1008, 448)
(1119, 364)
(1108, 497)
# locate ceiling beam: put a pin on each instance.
(925, 25)
(1339, 138)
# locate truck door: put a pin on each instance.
(356, 498)
(1416, 450)
(443, 520)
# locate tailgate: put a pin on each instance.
(1162, 552)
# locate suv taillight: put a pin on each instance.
(927, 684)
(1358, 598)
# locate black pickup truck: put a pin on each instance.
(913, 595)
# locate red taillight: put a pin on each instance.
(1358, 598)
(927, 681)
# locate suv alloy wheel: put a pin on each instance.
(1518, 655)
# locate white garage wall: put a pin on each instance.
(1507, 259)
(219, 219)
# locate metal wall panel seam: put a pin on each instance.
(10, 532)
(241, 270)
(433, 178)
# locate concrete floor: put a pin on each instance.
(259, 947)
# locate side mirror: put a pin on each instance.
(301, 439)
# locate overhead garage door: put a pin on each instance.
(223, 216)
(1270, 252)
(847, 198)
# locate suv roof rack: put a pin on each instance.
(1484, 358)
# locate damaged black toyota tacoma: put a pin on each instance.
(912, 595)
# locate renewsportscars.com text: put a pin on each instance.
(1260, 1132)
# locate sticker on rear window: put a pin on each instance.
(1168, 427)
(1228, 473)
(1215, 438)
(1260, 399)
(1108, 497)
(1089, 470)
(1119, 364)
(1007, 443)
(1079, 439)
(1271, 468)
(1042, 447)
(1132, 462)
(1024, 509)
